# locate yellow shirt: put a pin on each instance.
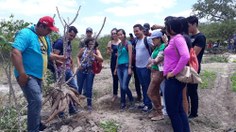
(44, 47)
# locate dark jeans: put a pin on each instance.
(136, 82)
(88, 77)
(124, 77)
(144, 79)
(33, 94)
(174, 105)
(193, 98)
(114, 80)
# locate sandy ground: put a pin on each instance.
(217, 108)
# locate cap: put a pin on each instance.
(146, 26)
(89, 29)
(156, 34)
(49, 21)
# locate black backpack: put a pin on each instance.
(134, 42)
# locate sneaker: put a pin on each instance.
(141, 106)
(42, 126)
(147, 109)
(157, 118)
(122, 106)
(90, 108)
(164, 112)
(132, 106)
(61, 115)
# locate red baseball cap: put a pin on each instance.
(49, 21)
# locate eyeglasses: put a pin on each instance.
(113, 33)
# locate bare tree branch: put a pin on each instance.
(59, 16)
(77, 14)
(104, 21)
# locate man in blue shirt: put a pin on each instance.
(30, 54)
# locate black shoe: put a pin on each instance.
(73, 112)
(42, 126)
(122, 106)
(139, 99)
(192, 116)
(61, 115)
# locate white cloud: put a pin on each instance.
(140, 7)
(185, 13)
(37, 7)
(111, 1)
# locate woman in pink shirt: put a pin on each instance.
(176, 56)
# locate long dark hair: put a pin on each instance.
(175, 25)
(123, 31)
(91, 39)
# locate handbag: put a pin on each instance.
(97, 67)
(188, 75)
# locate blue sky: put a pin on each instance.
(120, 13)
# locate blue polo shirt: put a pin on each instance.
(33, 54)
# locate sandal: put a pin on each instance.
(157, 118)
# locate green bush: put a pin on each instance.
(233, 80)
(109, 126)
(9, 119)
(208, 78)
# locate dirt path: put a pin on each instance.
(217, 108)
(217, 104)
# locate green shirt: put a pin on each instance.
(155, 54)
(123, 55)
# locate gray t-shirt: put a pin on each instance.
(142, 54)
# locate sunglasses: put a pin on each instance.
(113, 33)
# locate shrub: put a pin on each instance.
(233, 80)
(109, 126)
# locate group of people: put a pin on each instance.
(33, 44)
(154, 58)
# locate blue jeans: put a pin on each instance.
(162, 86)
(174, 105)
(33, 94)
(71, 83)
(88, 77)
(144, 76)
(124, 78)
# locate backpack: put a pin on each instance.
(193, 61)
(146, 45)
